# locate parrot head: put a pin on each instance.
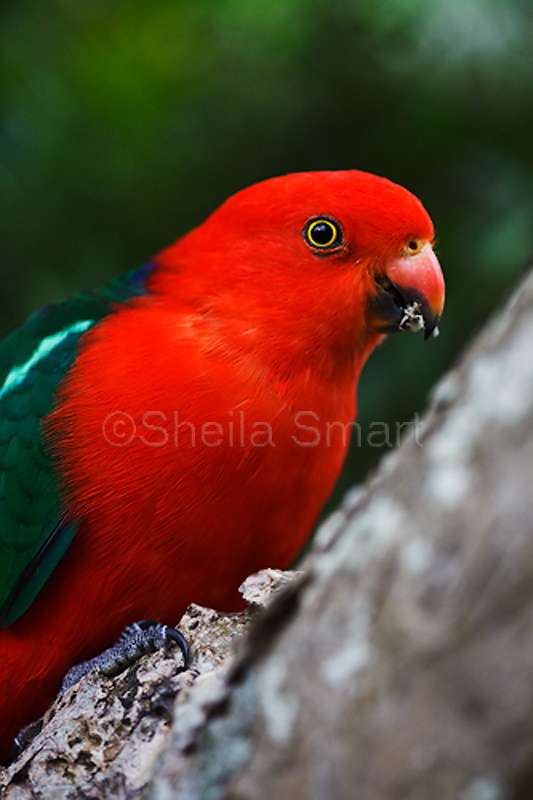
(331, 252)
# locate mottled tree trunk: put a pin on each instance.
(400, 664)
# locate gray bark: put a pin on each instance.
(398, 666)
(101, 737)
(401, 666)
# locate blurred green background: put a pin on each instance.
(123, 124)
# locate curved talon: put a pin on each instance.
(178, 638)
(170, 634)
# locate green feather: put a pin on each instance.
(33, 360)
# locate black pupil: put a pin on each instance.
(323, 233)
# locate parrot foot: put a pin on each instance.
(135, 641)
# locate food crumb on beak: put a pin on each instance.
(413, 319)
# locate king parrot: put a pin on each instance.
(167, 434)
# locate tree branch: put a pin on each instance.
(399, 665)
(402, 666)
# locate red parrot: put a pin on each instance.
(166, 435)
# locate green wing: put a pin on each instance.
(33, 359)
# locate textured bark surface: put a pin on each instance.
(100, 738)
(402, 665)
(399, 666)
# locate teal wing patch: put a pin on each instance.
(33, 359)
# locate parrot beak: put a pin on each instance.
(410, 295)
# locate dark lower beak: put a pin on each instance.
(393, 309)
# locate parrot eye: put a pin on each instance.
(414, 246)
(323, 233)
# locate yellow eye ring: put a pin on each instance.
(414, 246)
(323, 233)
